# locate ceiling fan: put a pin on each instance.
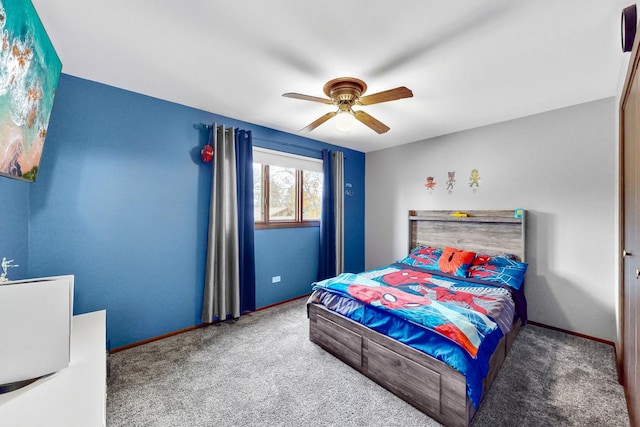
(345, 93)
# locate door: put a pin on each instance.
(630, 115)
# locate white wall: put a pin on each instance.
(559, 165)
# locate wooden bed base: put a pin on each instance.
(430, 385)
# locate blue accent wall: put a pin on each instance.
(292, 254)
(354, 179)
(122, 201)
(14, 226)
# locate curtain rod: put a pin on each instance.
(273, 141)
(209, 127)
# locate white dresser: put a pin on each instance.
(72, 397)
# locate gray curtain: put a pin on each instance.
(338, 185)
(222, 280)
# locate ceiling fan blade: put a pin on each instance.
(319, 121)
(371, 121)
(307, 97)
(387, 95)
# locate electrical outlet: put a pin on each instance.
(275, 279)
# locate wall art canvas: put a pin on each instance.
(29, 74)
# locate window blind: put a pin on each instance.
(279, 158)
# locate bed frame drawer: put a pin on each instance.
(345, 344)
(404, 377)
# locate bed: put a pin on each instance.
(391, 350)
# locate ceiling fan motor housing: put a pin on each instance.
(345, 90)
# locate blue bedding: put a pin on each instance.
(456, 320)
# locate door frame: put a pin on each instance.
(632, 70)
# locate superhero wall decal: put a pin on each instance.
(474, 182)
(451, 181)
(430, 184)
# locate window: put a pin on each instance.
(287, 189)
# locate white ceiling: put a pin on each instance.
(468, 62)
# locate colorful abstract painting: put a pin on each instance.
(29, 73)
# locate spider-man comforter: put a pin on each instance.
(458, 321)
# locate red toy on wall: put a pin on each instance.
(206, 153)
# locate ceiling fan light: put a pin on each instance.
(344, 121)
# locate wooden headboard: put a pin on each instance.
(486, 232)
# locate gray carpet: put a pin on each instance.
(263, 371)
